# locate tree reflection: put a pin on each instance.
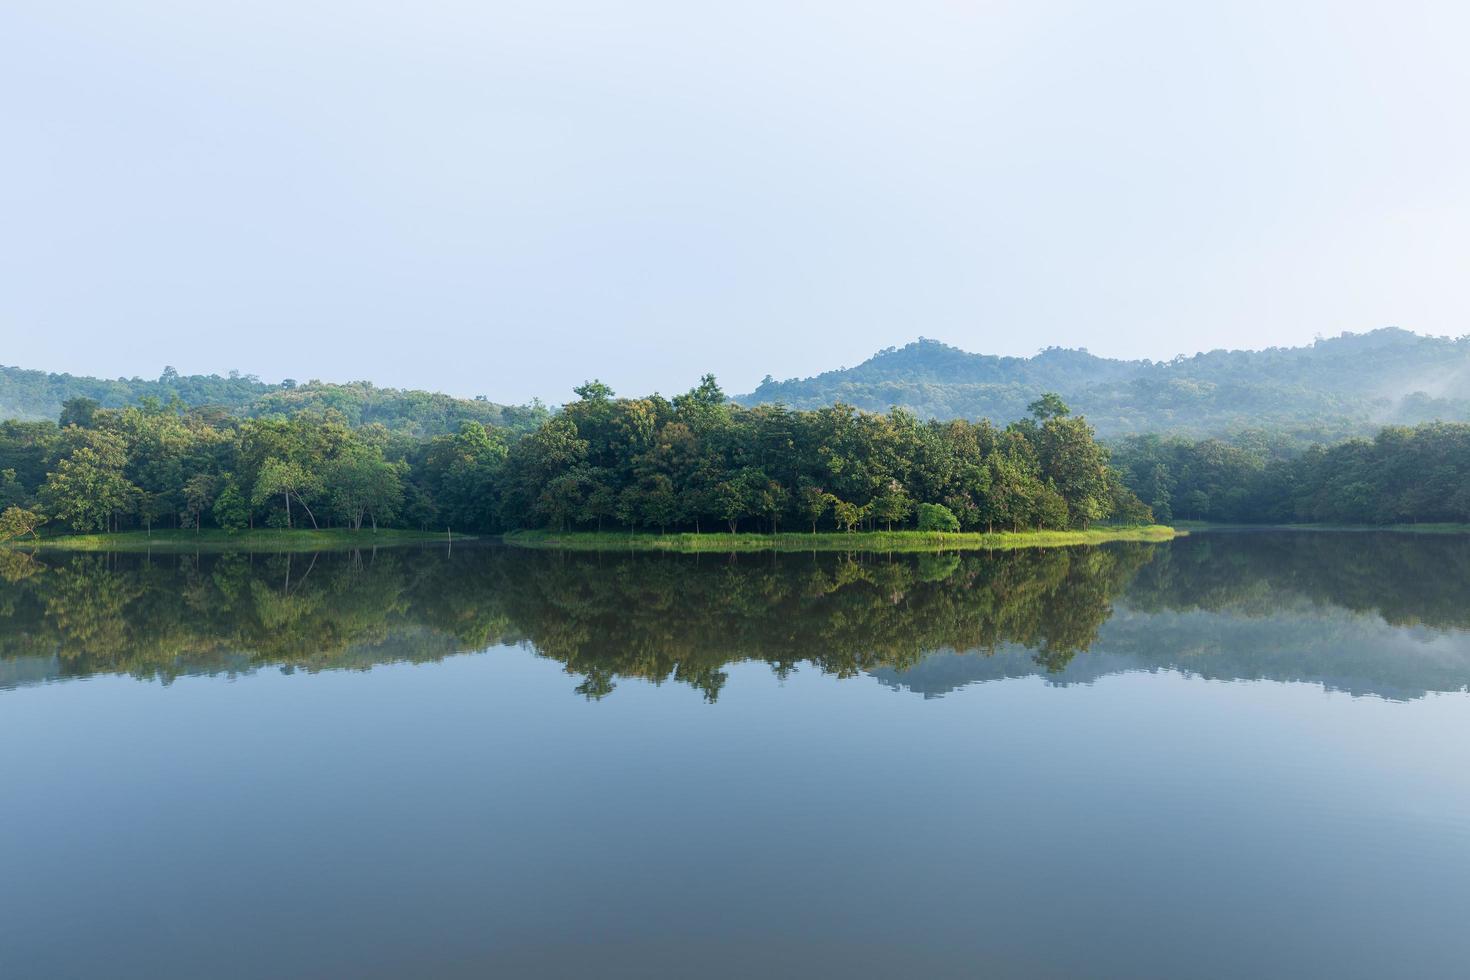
(686, 619)
(660, 618)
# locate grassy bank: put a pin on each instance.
(861, 541)
(215, 540)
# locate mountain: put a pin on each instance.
(1347, 385)
(33, 395)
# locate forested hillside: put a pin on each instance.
(36, 395)
(1345, 386)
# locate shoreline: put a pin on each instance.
(1427, 528)
(915, 541)
(275, 539)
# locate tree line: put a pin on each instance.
(1403, 475)
(695, 462)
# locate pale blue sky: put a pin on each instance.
(507, 198)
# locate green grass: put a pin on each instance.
(215, 540)
(831, 541)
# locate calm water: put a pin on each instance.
(1239, 754)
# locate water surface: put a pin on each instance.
(1229, 754)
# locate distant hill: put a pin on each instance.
(1347, 385)
(33, 395)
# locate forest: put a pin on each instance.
(696, 462)
(1403, 475)
(355, 456)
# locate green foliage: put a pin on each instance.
(231, 511)
(16, 522)
(362, 484)
(892, 505)
(812, 504)
(937, 517)
(89, 490)
(12, 492)
(1402, 475)
(288, 480)
(1048, 406)
(697, 461)
(78, 411)
(694, 462)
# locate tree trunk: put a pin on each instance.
(288, 509)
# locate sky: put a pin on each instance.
(508, 198)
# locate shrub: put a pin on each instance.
(937, 517)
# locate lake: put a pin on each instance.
(1234, 754)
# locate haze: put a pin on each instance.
(505, 199)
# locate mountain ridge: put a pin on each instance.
(32, 395)
(1335, 387)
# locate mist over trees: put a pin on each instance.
(37, 396)
(1333, 389)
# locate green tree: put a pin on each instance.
(593, 391)
(12, 492)
(1051, 511)
(231, 510)
(16, 522)
(812, 503)
(198, 496)
(732, 501)
(363, 485)
(88, 489)
(1077, 467)
(79, 411)
(892, 505)
(1048, 406)
(770, 499)
(846, 514)
(288, 480)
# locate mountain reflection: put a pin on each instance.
(1381, 614)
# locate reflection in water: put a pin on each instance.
(1368, 613)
